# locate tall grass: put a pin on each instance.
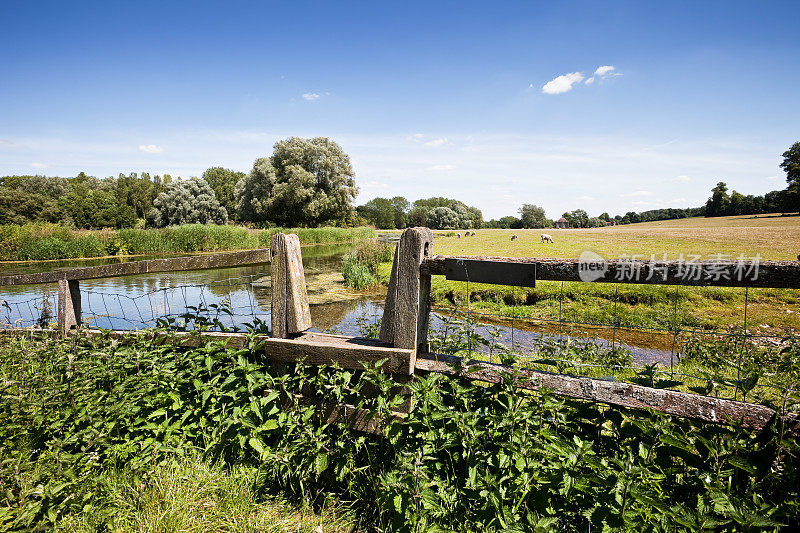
(192, 494)
(42, 241)
(360, 267)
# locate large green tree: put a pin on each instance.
(306, 182)
(532, 216)
(791, 165)
(224, 181)
(189, 201)
(719, 202)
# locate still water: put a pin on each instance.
(135, 302)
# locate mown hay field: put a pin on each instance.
(772, 237)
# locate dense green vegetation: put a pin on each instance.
(77, 416)
(42, 241)
(360, 267)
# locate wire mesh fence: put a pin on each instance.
(596, 334)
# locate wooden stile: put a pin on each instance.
(290, 310)
(405, 315)
(69, 306)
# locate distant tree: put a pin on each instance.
(532, 216)
(400, 206)
(306, 182)
(378, 212)
(719, 202)
(187, 202)
(469, 217)
(595, 222)
(577, 218)
(442, 218)
(510, 222)
(605, 217)
(224, 181)
(791, 165)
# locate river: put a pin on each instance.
(135, 302)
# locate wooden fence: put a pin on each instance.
(403, 335)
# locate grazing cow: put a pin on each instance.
(547, 238)
(514, 237)
(458, 235)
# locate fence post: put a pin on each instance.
(69, 306)
(407, 309)
(290, 310)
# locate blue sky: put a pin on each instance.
(450, 99)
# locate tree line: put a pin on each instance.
(311, 182)
(305, 182)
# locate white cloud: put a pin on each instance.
(636, 194)
(562, 83)
(585, 198)
(589, 81)
(640, 203)
(441, 141)
(417, 137)
(39, 165)
(679, 200)
(604, 70)
(150, 149)
(772, 178)
(5, 142)
(310, 96)
(440, 167)
(683, 179)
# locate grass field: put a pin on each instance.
(773, 237)
(770, 311)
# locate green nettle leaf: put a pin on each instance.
(321, 463)
(269, 425)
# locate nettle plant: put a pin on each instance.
(468, 456)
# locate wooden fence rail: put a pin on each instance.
(404, 328)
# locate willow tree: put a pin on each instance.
(306, 182)
(189, 201)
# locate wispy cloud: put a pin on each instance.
(604, 70)
(5, 142)
(440, 167)
(683, 179)
(39, 165)
(585, 198)
(636, 194)
(679, 200)
(772, 178)
(441, 141)
(310, 96)
(562, 83)
(150, 149)
(601, 73)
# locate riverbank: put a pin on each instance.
(42, 241)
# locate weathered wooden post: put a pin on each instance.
(69, 306)
(407, 309)
(290, 311)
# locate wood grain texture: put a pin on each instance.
(414, 244)
(347, 352)
(771, 274)
(198, 262)
(69, 306)
(298, 312)
(387, 322)
(278, 275)
(705, 408)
